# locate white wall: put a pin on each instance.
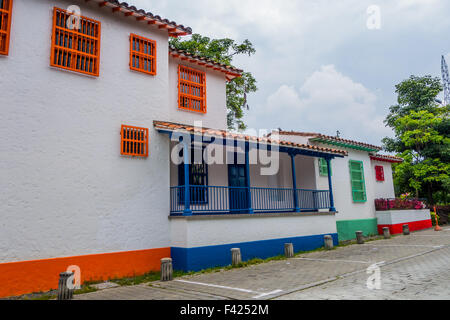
(65, 188)
(391, 217)
(191, 233)
(384, 189)
(216, 109)
(342, 189)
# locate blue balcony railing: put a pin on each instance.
(313, 199)
(222, 199)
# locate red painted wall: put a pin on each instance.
(413, 226)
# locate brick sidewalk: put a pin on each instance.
(289, 279)
(422, 277)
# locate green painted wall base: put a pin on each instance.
(346, 228)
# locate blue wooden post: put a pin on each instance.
(330, 186)
(247, 178)
(187, 197)
(294, 183)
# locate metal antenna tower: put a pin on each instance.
(445, 81)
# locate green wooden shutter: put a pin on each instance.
(357, 180)
(323, 167)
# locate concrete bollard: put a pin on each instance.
(166, 269)
(359, 237)
(328, 240)
(236, 256)
(64, 292)
(386, 233)
(406, 229)
(289, 250)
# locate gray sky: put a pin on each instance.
(319, 67)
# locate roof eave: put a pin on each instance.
(386, 159)
(173, 29)
(249, 139)
(230, 72)
(346, 144)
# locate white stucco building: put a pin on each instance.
(115, 154)
(94, 103)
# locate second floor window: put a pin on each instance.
(5, 25)
(142, 54)
(191, 89)
(75, 43)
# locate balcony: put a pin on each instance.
(243, 200)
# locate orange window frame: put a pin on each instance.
(76, 50)
(5, 25)
(191, 89)
(133, 141)
(142, 54)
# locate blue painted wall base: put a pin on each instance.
(199, 258)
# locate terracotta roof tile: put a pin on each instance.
(230, 71)
(346, 141)
(329, 138)
(175, 126)
(296, 133)
(385, 157)
(173, 28)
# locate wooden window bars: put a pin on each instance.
(142, 54)
(134, 141)
(191, 89)
(5, 25)
(75, 43)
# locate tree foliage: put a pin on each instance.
(422, 139)
(223, 51)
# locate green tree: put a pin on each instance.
(422, 139)
(223, 51)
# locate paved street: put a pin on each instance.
(411, 267)
(422, 277)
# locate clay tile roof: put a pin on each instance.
(331, 139)
(385, 158)
(318, 137)
(230, 71)
(173, 28)
(164, 125)
(296, 133)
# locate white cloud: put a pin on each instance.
(328, 101)
(285, 97)
(294, 38)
